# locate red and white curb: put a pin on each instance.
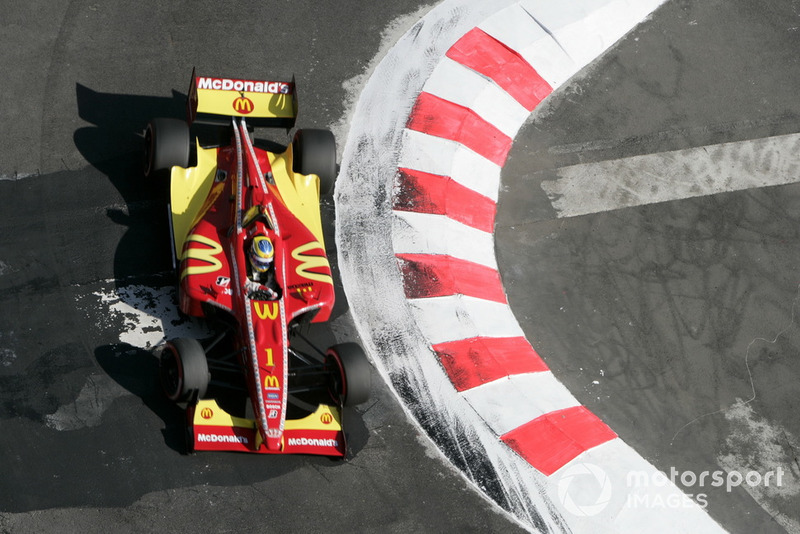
(416, 202)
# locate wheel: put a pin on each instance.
(350, 373)
(166, 144)
(183, 370)
(314, 152)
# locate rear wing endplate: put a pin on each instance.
(271, 104)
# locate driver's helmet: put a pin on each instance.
(261, 253)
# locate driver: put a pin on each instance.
(261, 282)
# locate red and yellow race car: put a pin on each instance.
(249, 252)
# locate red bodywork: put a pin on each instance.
(243, 202)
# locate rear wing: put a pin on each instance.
(271, 104)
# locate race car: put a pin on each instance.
(249, 254)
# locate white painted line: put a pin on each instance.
(457, 317)
(435, 155)
(460, 85)
(425, 233)
(640, 180)
(510, 402)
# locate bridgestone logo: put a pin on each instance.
(220, 438)
(313, 442)
(249, 86)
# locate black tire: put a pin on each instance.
(314, 152)
(183, 370)
(350, 374)
(166, 144)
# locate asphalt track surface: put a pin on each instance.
(675, 322)
(77, 223)
(87, 443)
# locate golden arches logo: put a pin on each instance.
(312, 261)
(326, 418)
(271, 382)
(206, 255)
(243, 105)
(206, 413)
(266, 310)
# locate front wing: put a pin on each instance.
(213, 429)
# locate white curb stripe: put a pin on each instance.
(457, 317)
(511, 402)
(424, 233)
(435, 155)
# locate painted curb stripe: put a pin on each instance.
(475, 361)
(431, 275)
(510, 403)
(551, 441)
(517, 29)
(457, 83)
(442, 118)
(431, 193)
(425, 233)
(460, 317)
(517, 434)
(484, 54)
(447, 158)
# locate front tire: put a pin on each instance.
(166, 144)
(350, 374)
(183, 370)
(314, 152)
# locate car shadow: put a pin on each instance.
(136, 370)
(113, 144)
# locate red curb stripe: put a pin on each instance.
(552, 440)
(441, 118)
(423, 192)
(439, 275)
(486, 55)
(472, 362)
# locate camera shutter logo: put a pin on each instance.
(572, 484)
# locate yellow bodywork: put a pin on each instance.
(190, 190)
(209, 413)
(246, 104)
(300, 192)
(193, 190)
(275, 101)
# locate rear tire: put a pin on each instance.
(166, 144)
(350, 374)
(314, 152)
(183, 370)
